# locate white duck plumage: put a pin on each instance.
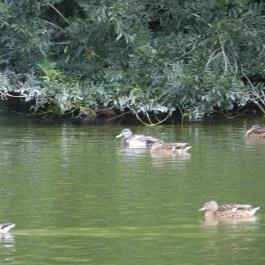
(5, 228)
(131, 140)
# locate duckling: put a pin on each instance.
(135, 140)
(161, 148)
(255, 132)
(226, 211)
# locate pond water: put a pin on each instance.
(78, 198)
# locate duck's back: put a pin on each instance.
(235, 211)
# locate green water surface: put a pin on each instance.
(78, 198)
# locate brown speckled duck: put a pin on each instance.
(161, 148)
(226, 211)
(256, 132)
(131, 140)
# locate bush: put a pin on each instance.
(162, 57)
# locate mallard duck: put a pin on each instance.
(255, 132)
(135, 140)
(5, 228)
(161, 148)
(213, 211)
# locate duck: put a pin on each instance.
(131, 140)
(256, 132)
(5, 228)
(161, 148)
(227, 211)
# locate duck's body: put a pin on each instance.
(226, 211)
(256, 132)
(131, 140)
(5, 228)
(160, 148)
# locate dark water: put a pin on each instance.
(77, 198)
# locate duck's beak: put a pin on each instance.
(202, 209)
(119, 135)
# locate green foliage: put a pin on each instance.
(133, 55)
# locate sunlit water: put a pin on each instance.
(78, 198)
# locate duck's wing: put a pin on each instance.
(179, 145)
(143, 138)
(166, 147)
(138, 137)
(234, 207)
(260, 132)
(256, 131)
(172, 145)
(139, 141)
(180, 148)
(242, 207)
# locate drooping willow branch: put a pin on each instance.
(149, 119)
(258, 95)
(5, 95)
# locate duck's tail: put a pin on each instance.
(253, 211)
(187, 148)
(5, 228)
(179, 150)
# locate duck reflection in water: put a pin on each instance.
(228, 213)
(7, 243)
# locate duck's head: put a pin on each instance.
(126, 133)
(209, 206)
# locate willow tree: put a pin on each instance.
(142, 57)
